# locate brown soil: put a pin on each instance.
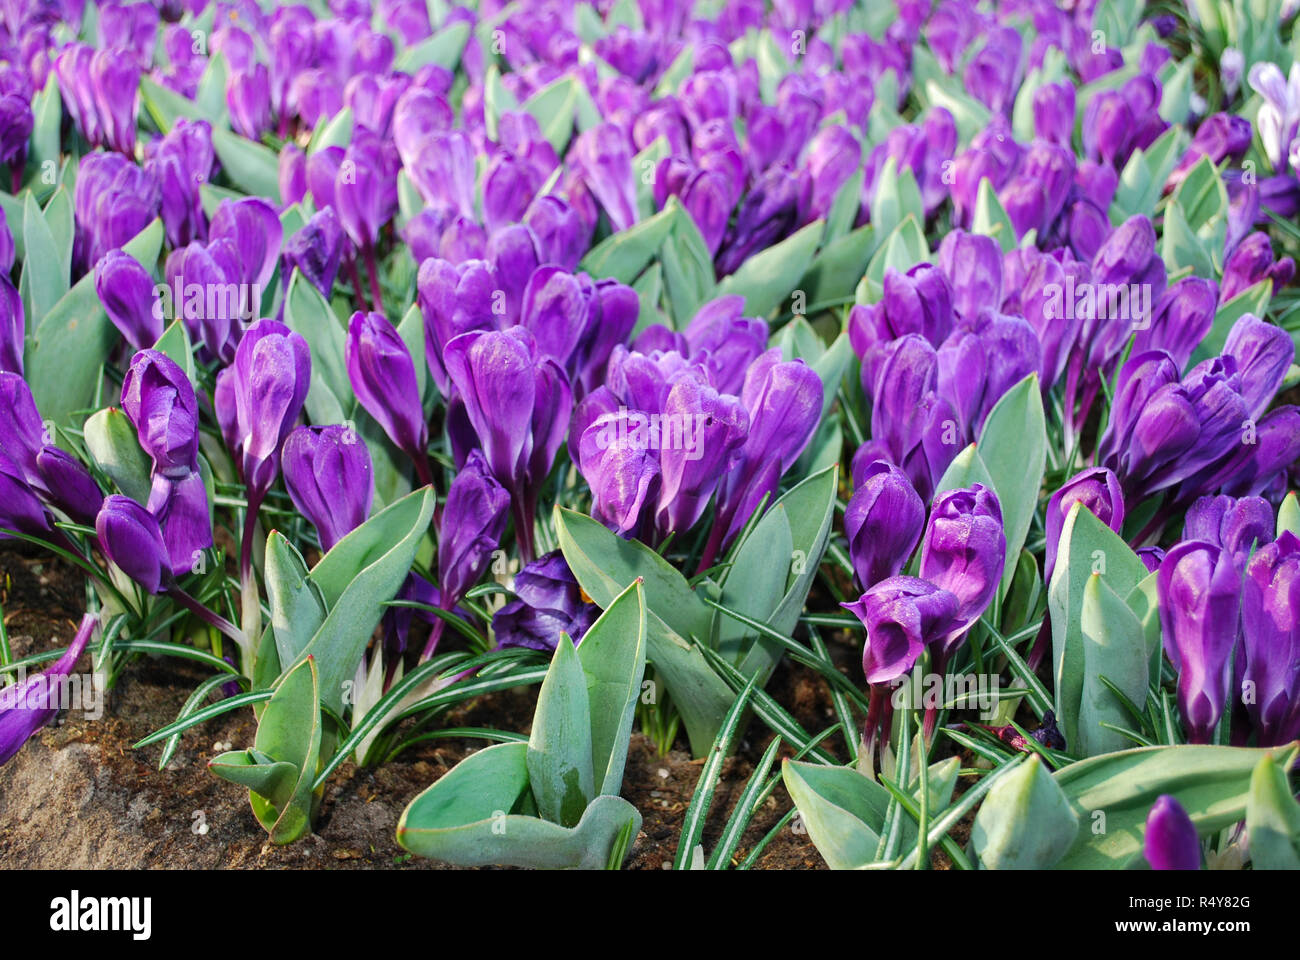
(79, 796)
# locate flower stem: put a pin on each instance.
(357, 286)
(208, 616)
(376, 295)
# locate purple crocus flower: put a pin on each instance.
(902, 616)
(293, 174)
(1180, 319)
(27, 706)
(20, 509)
(365, 190)
(7, 251)
(724, 342)
(454, 299)
(919, 301)
(68, 485)
(1235, 525)
(973, 265)
(126, 290)
(1200, 603)
(383, 377)
(113, 201)
(328, 474)
(100, 89)
(562, 237)
(13, 328)
(1170, 841)
(1220, 137)
(316, 250)
(252, 226)
(182, 162)
(130, 538)
(474, 518)
(605, 161)
(964, 551)
(1251, 262)
(1270, 624)
(773, 208)
(1098, 489)
(834, 155)
(16, 123)
(548, 603)
(614, 457)
(883, 522)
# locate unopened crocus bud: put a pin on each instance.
(973, 264)
(130, 537)
(28, 705)
(1098, 489)
(1151, 557)
(248, 95)
(603, 155)
(365, 191)
(964, 551)
(293, 174)
(328, 474)
(1179, 320)
(473, 520)
(883, 522)
(562, 237)
(618, 465)
(159, 400)
(1251, 262)
(771, 210)
(20, 509)
(1199, 590)
(1263, 353)
(182, 162)
(1220, 137)
(316, 250)
(69, 485)
(834, 155)
(1270, 625)
(126, 290)
(1170, 841)
(16, 123)
(383, 377)
(7, 251)
(690, 470)
(253, 227)
(902, 615)
(13, 328)
(1054, 112)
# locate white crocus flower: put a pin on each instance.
(1279, 118)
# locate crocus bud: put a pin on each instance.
(293, 174)
(130, 537)
(473, 520)
(834, 155)
(69, 485)
(562, 237)
(248, 95)
(127, 292)
(316, 250)
(1237, 526)
(328, 474)
(906, 375)
(365, 191)
(454, 299)
(1263, 352)
(13, 328)
(902, 615)
(1251, 262)
(770, 211)
(1180, 319)
(7, 251)
(1219, 137)
(973, 264)
(603, 156)
(883, 522)
(964, 551)
(383, 377)
(20, 509)
(267, 385)
(1054, 112)
(1199, 591)
(159, 401)
(718, 425)
(16, 123)
(27, 706)
(1096, 488)
(1270, 624)
(614, 458)
(725, 342)
(253, 227)
(1170, 841)
(548, 602)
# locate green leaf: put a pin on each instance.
(1202, 195)
(336, 132)
(62, 223)
(1272, 818)
(43, 281)
(1288, 515)
(967, 468)
(112, 441)
(297, 607)
(1253, 300)
(845, 207)
(1116, 791)
(175, 344)
(990, 219)
(559, 747)
(47, 116)
(687, 269)
(1025, 822)
(553, 106)
(766, 279)
(252, 167)
(329, 396)
(625, 254)
(613, 653)
(902, 250)
(467, 818)
(444, 48)
(1181, 248)
(897, 195)
(496, 100)
(841, 808)
(361, 572)
(1087, 547)
(835, 271)
(269, 778)
(67, 348)
(1013, 448)
(1114, 648)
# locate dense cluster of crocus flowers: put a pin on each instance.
(308, 263)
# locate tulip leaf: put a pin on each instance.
(767, 278)
(297, 607)
(835, 271)
(896, 196)
(444, 48)
(1114, 649)
(625, 254)
(613, 654)
(553, 106)
(689, 277)
(1013, 448)
(1180, 247)
(1202, 196)
(272, 779)
(66, 351)
(1113, 793)
(967, 468)
(845, 207)
(175, 344)
(559, 746)
(902, 250)
(43, 280)
(113, 442)
(329, 397)
(250, 166)
(361, 572)
(1087, 547)
(1025, 822)
(476, 816)
(1272, 818)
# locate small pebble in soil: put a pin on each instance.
(663, 773)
